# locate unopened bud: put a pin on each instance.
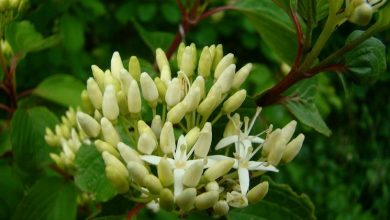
(220, 208)
(137, 172)
(165, 172)
(167, 138)
(98, 75)
(134, 68)
(234, 102)
(102, 146)
(192, 174)
(202, 145)
(119, 182)
(192, 136)
(109, 133)
(205, 62)
(293, 148)
(174, 92)
(225, 80)
(153, 184)
(218, 54)
(218, 169)
(149, 89)
(129, 154)
(187, 62)
(241, 75)
(177, 113)
(226, 61)
(257, 193)
(94, 93)
(89, 125)
(186, 199)
(134, 98)
(146, 143)
(156, 125)
(166, 199)
(206, 200)
(110, 104)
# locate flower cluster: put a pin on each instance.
(155, 134)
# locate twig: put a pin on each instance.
(133, 212)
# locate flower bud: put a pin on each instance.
(236, 199)
(187, 62)
(218, 169)
(220, 208)
(116, 65)
(94, 93)
(241, 75)
(179, 53)
(165, 172)
(234, 102)
(86, 103)
(125, 79)
(137, 172)
(153, 184)
(225, 80)
(109, 133)
(202, 145)
(111, 160)
(110, 104)
(288, 131)
(192, 174)
(98, 75)
(257, 193)
(134, 98)
(192, 136)
(293, 148)
(205, 62)
(146, 143)
(270, 141)
(174, 92)
(186, 199)
(156, 125)
(134, 68)
(218, 54)
(212, 186)
(129, 154)
(192, 99)
(167, 138)
(119, 181)
(362, 14)
(102, 146)
(206, 200)
(177, 113)
(149, 89)
(89, 125)
(226, 61)
(166, 199)
(161, 59)
(161, 88)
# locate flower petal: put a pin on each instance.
(243, 175)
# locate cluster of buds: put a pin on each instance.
(360, 11)
(170, 160)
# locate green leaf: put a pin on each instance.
(72, 31)
(281, 202)
(301, 105)
(367, 61)
(61, 89)
(273, 25)
(11, 190)
(49, 199)
(91, 176)
(154, 39)
(27, 131)
(307, 10)
(23, 38)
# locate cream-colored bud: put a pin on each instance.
(166, 74)
(218, 169)
(166, 199)
(102, 146)
(199, 83)
(234, 101)
(207, 106)
(165, 172)
(149, 89)
(110, 106)
(156, 125)
(122, 102)
(218, 54)
(221, 208)
(257, 193)
(125, 79)
(116, 65)
(187, 62)
(202, 145)
(270, 141)
(225, 62)
(192, 136)
(174, 93)
(205, 62)
(177, 113)
(111, 160)
(293, 148)
(241, 75)
(179, 53)
(276, 153)
(137, 172)
(225, 80)
(288, 131)
(362, 14)
(146, 143)
(128, 153)
(161, 59)
(119, 181)
(161, 88)
(153, 184)
(98, 75)
(134, 98)
(167, 138)
(232, 127)
(186, 199)
(110, 80)
(134, 68)
(206, 200)
(89, 125)
(192, 99)
(212, 186)
(192, 174)
(109, 133)
(86, 103)
(94, 93)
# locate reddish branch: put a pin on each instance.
(133, 212)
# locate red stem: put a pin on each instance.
(133, 212)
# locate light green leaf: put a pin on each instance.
(154, 39)
(23, 38)
(301, 105)
(61, 89)
(91, 176)
(273, 25)
(281, 202)
(72, 31)
(27, 131)
(11, 190)
(49, 199)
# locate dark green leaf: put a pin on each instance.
(91, 176)
(62, 89)
(301, 105)
(49, 199)
(367, 61)
(307, 9)
(27, 131)
(154, 39)
(72, 31)
(11, 190)
(23, 38)
(281, 202)
(273, 25)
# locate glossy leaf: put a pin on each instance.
(27, 131)
(273, 25)
(154, 39)
(51, 198)
(91, 175)
(61, 89)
